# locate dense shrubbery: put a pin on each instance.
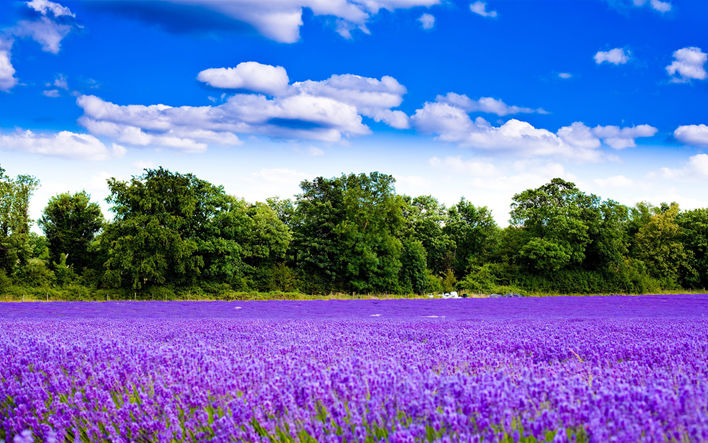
(177, 236)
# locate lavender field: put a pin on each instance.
(532, 369)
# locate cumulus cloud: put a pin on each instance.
(278, 20)
(373, 98)
(692, 134)
(616, 56)
(326, 110)
(453, 124)
(480, 8)
(688, 64)
(7, 71)
(580, 135)
(254, 76)
(61, 144)
(695, 168)
(484, 104)
(427, 21)
(565, 75)
(621, 138)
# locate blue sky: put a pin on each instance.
(474, 99)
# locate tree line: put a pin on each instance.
(352, 234)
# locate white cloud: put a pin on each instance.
(7, 71)
(372, 97)
(480, 8)
(44, 31)
(45, 7)
(427, 21)
(577, 134)
(452, 123)
(484, 104)
(53, 93)
(621, 138)
(692, 134)
(327, 110)
(61, 82)
(695, 168)
(60, 144)
(616, 181)
(657, 5)
(616, 56)
(688, 64)
(254, 76)
(565, 75)
(281, 20)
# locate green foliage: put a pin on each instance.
(474, 233)
(413, 277)
(448, 281)
(345, 233)
(15, 250)
(434, 283)
(480, 279)
(545, 256)
(70, 222)
(424, 220)
(560, 216)
(175, 235)
(694, 238)
(176, 229)
(659, 246)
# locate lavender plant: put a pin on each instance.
(554, 369)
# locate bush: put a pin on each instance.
(479, 280)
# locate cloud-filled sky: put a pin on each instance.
(479, 99)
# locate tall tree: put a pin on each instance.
(557, 219)
(159, 217)
(694, 237)
(659, 246)
(15, 196)
(177, 229)
(70, 223)
(425, 218)
(474, 233)
(345, 232)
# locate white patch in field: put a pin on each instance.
(375, 315)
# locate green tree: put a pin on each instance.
(659, 245)
(425, 218)
(413, 276)
(176, 229)
(474, 234)
(345, 233)
(557, 219)
(159, 218)
(15, 194)
(70, 223)
(694, 237)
